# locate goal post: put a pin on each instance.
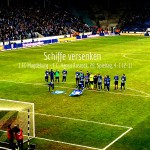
(17, 113)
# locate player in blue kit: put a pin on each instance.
(105, 82)
(123, 81)
(108, 83)
(81, 78)
(86, 78)
(50, 85)
(52, 73)
(99, 82)
(64, 75)
(46, 75)
(80, 86)
(116, 79)
(77, 77)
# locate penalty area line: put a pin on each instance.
(88, 147)
(87, 121)
(117, 139)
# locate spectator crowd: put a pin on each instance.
(22, 22)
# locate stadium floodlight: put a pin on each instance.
(17, 113)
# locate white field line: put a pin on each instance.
(121, 93)
(139, 91)
(87, 121)
(117, 139)
(124, 55)
(42, 84)
(92, 148)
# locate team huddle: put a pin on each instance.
(95, 81)
(87, 80)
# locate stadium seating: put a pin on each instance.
(26, 22)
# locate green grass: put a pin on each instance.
(131, 108)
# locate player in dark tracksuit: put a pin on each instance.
(108, 83)
(46, 75)
(123, 81)
(86, 78)
(77, 77)
(81, 78)
(95, 81)
(105, 83)
(52, 73)
(116, 78)
(64, 75)
(99, 81)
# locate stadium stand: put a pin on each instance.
(18, 23)
(32, 19)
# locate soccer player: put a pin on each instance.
(50, 85)
(81, 78)
(116, 78)
(77, 77)
(19, 137)
(10, 136)
(99, 82)
(91, 81)
(51, 73)
(64, 74)
(86, 78)
(80, 86)
(123, 80)
(95, 81)
(46, 75)
(108, 83)
(57, 76)
(105, 82)
(88, 73)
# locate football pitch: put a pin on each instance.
(96, 120)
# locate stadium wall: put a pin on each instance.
(54, 39)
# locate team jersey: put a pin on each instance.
(19, 135)
(81, 75)
(91, 77)
(9, 133)
(46, 73)
(77, 75)
(105, 80)
(82, 78)
(57, 74)
(116, 78)
(108, 81)
(51, 73)
(123, 79)
(64, 72)
(86, 78)
(95, 79)
(99, 79)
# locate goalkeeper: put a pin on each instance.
(50, 85)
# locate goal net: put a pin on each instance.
(16, 113)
